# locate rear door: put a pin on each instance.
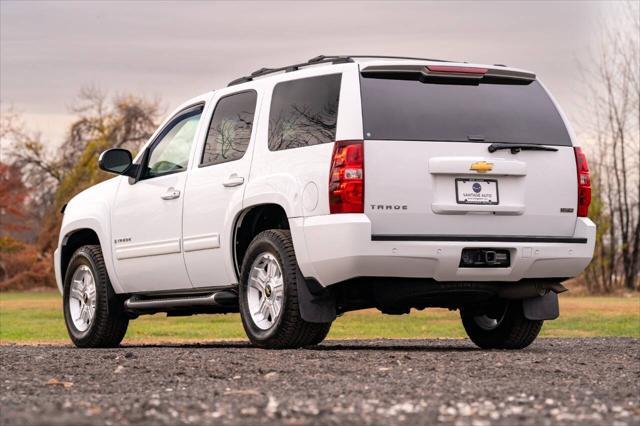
(435, 160)
(215, 188)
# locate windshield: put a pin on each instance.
(399, 109)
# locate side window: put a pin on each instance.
(230, 128)
(170, 154)
(304, 112)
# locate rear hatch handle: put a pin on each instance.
(517, 147)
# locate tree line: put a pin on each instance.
(35, 183)
(613, 124)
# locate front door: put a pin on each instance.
(214, 193)
(147, 214)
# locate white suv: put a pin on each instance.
(299, 193)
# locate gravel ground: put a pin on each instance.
(555, 381)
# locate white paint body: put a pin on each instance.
(187, 242)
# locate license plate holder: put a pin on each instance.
(477, 191)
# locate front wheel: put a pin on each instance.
(94, 316)
(503, 327)
(269, 295)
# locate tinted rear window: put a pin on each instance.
(414, 110)
(230, 128)
(304, 112)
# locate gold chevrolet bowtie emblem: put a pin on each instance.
(481, 166)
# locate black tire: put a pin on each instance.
(289, 330)
(513, 330)
(110, 322)
(320, 335)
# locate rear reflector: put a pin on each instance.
(346, 178)
(584, 182)
(456, 70)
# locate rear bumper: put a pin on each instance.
(336, 248)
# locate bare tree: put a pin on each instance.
(616, 164)
(40, 170)
(53, 178)
(301, 125)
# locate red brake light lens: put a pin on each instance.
(584, 182)
(346, 178)
(456, 69)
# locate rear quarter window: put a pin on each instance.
(304, 112)
(395, 109)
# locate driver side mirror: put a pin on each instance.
(118, 161)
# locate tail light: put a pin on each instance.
(346, 178)
(584, 183)
(456, 69)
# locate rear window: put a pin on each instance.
(304, 112)
(230, 128)
(415, 110)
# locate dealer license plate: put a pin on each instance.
(477, 191)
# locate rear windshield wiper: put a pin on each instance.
(517, 147)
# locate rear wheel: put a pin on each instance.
(319, 335)
(503, 327)
(93, 314)
(269, 295)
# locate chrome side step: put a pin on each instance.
(222, 299)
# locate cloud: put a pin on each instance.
(175, 50)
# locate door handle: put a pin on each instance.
(171, 194)
(233, 180)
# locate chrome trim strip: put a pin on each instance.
(201, 242)
(155, 248)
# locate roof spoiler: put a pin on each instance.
(449, 72)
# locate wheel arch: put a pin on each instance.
(249, 222)
(71, 242)
(75, 234)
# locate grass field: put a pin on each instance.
(37, 318)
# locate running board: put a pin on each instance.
(224, 299)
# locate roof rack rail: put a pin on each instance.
(322, 57)
(264, 71)
(334, 59)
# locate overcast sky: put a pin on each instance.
(176, 50)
